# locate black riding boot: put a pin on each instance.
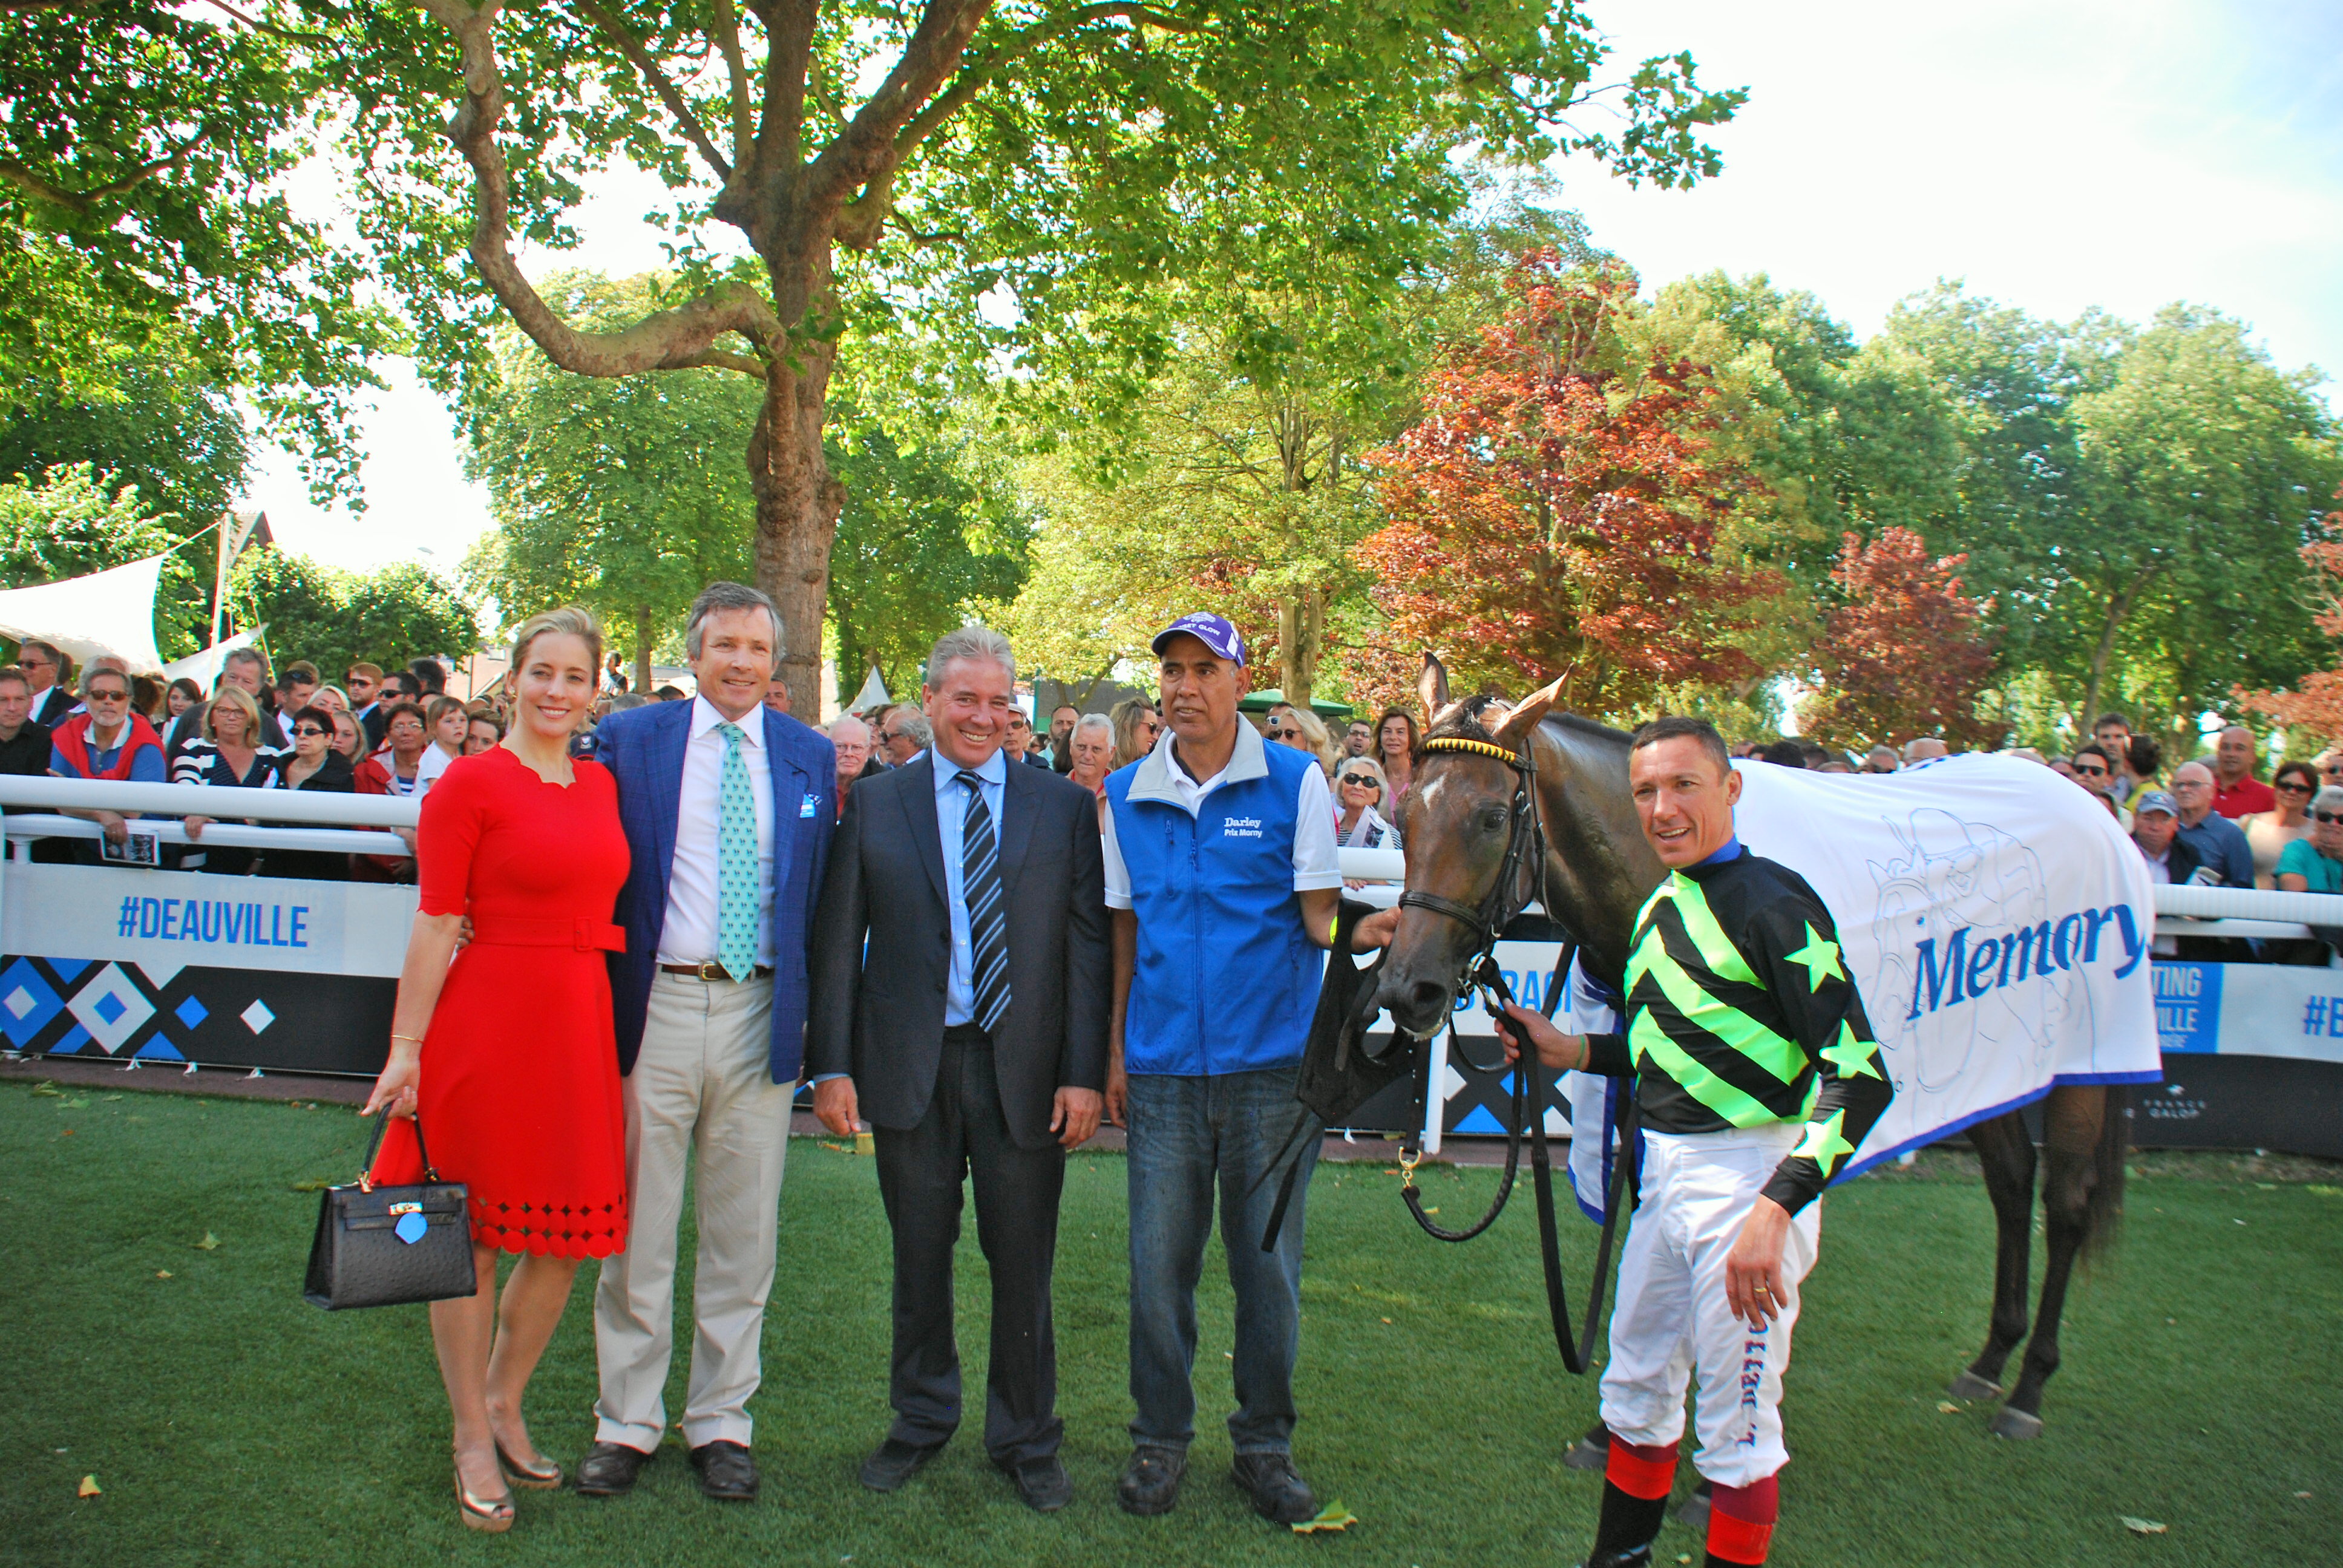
(1628, 1527)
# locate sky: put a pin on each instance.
(2055, 154)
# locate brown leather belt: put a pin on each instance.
(712, 970)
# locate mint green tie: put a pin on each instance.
(735, 862)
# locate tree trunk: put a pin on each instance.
(2117, 612)
(643, 650)
(797, 499)
(1300, 633)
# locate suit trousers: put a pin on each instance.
(701, 1088)
(920, 1170)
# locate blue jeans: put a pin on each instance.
(1186, 1131)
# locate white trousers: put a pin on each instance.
(701, 1086)
(1672, 1321)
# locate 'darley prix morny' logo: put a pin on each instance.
(1241, 827)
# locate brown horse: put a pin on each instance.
(1598, 871)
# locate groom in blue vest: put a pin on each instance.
(727, 810)
(1221, 873)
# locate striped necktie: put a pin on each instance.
(988, 918)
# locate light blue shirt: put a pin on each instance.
(952, 818)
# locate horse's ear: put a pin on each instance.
(1432, 686)
(1521, 719)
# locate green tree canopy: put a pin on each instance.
(334, 618)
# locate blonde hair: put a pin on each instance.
(1318, 738)
(1124, 716)
(240, 699)
(569, 620)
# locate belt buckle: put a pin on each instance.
(711, 970)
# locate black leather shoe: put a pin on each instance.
(609, 1470)
(1633, 1557)
(1042, 1483)
(727, 1473)
(1278, 1493)
(1150, 1482)
(897, 1462)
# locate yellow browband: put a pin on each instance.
(1478, 748)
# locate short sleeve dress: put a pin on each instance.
(519, 1092)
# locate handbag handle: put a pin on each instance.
(374, 1146)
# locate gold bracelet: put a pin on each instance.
(1333, 927)
(412, 1038)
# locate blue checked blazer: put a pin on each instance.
(643, 749)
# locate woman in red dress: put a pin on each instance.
(506, 1052)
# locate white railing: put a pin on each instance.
(336, 815)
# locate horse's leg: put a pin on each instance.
(2073, 1124)
(2007, 1154)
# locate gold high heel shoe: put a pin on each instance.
(492, 1515)
(542, 1476)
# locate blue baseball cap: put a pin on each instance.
(1224, 639)
(2156, 800)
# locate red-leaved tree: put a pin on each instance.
(2318, 707)
(1554, 514)
(1905, 655)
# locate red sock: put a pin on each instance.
(1646, 1470)
(1741, 1521)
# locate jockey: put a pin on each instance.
(1758, 1076)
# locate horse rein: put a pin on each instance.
(1482, 972)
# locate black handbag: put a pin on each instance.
(389, 1246)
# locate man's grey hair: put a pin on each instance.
(1093, 721)
(846, 718)
(970, 642)
(251, 656)
(2201, 766)
(720, 596)
(2329, 798)
(914, 723)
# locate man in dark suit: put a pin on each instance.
(43, 664)
(725, 808)
(972, 1029)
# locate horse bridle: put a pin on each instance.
(1526, 841)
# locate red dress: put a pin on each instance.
(519, 1091)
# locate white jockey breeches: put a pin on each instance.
(1672, 1320)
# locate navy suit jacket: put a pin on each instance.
(643, 749)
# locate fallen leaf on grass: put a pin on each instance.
(162, 1273)
(113, 1097)
(1432, 1210)
(1948, 1407)
(54, 1092)
(2141, 1526)
(2302, 1494)
(66, 1133)
(1387, 1320)
(210, 1243)
(88, 1487)
(314, 1184)
(2322, 1192)
(1334, 1516)
(73, 1104)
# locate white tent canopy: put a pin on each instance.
(873, 693)
(203, 669)
(108, 612)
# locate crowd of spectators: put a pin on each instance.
(2208, 820)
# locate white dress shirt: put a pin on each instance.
(690, 935)
(1316, 862)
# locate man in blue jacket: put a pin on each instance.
(727, 810)
(1221, 873)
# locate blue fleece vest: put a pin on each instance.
(1226, 978)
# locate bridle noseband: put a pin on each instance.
(1525, 843)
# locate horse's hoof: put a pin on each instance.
(2015, 1424)
(1968, 1385)
(1693, 1514)
(1587, 1454)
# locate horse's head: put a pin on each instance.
(1459, 820)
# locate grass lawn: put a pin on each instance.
(228, 1423)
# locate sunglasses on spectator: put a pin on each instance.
(2327, 816)
(2293, 787)
(2089, 770)
(310, 729)
(1365, 780)
(1279, 731)
(109, 697)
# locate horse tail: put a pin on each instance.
(2103, 1209)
